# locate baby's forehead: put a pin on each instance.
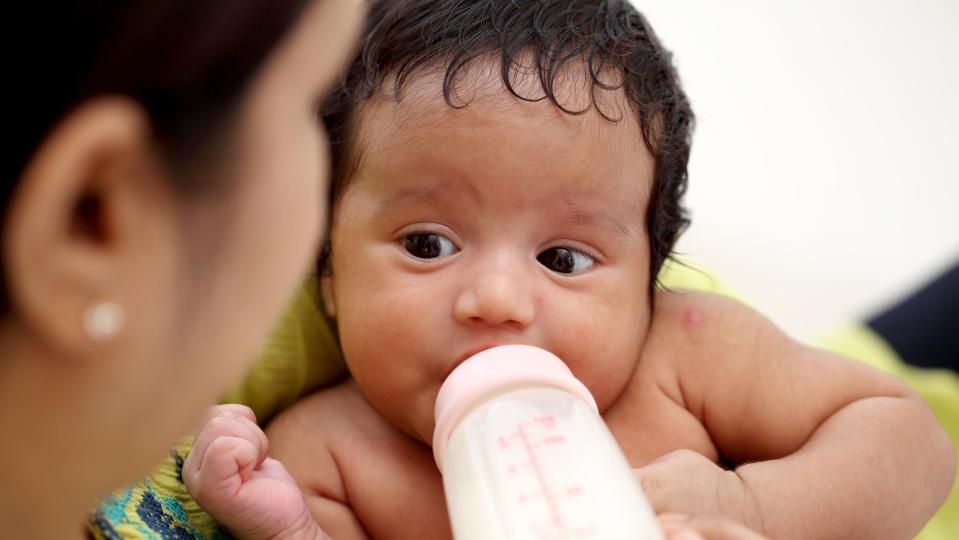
(502, 127)
(479, 100)
(511, 153)
(482, 129)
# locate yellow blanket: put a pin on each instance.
(302, 355)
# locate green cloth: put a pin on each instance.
(302, 355)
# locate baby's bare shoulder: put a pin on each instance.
(304, 438)
(338, 447)
(681, 352)
(697, 340)
(315, 417)
(696, 311)
(688, 324)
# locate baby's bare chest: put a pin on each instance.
(396, 490)
(392, 482)
(647, 424)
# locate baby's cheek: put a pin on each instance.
(607, 359)
(384, 355)
(607, 385)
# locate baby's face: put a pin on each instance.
(502, 222)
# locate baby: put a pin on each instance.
(512, 172)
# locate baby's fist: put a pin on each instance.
(686, 482)
(229, 473)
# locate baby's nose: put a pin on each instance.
(497, 296)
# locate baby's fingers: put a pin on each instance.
(659, 487)
(206, 449)
(227, 464)
(227, 425)
(686, 482)
(217, 480)
(228, 409)
(681, 527)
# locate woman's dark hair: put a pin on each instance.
(184, 61)
(404, 37)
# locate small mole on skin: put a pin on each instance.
(694, 317)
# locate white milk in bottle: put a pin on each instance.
(525, 454)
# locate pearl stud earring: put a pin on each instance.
(103, 321)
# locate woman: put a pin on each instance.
(163, 196)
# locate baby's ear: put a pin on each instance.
(326, 282)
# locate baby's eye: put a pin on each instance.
(429, 245)
(565, 260)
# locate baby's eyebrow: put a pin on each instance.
(571, 214)
(434, 194)
(565, 213)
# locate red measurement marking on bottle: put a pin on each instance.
(544, 488)
(554, 439)
(548, 421)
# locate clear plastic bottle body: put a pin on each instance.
(538, 462)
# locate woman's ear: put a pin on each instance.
(326, 282)
(88, 209)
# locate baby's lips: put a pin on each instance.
(469, 353)
(473, 351)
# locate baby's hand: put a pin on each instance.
(681, 527)
(230, 475)
(685, 482)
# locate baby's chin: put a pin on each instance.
(420, 430)
(411, 412)
(418, 427)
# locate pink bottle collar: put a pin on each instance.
(492, 370)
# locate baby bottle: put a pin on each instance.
(525, 454)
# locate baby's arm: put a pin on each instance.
(828, 447)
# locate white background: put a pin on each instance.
(823, 179)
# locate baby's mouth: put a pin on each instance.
(466, 355)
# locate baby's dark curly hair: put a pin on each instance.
(404, 37)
